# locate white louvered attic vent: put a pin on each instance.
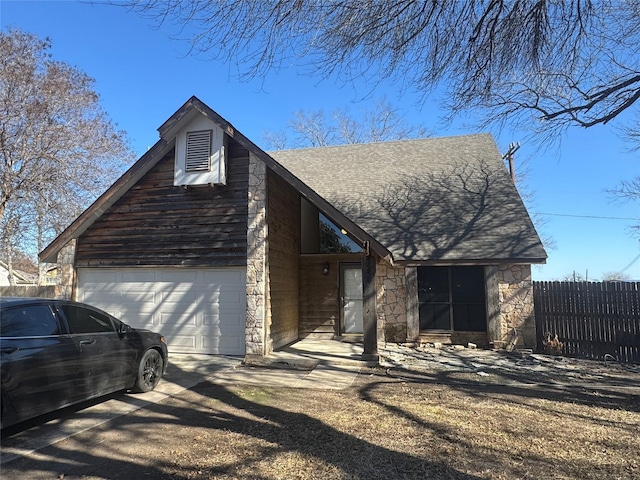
(200, 154)
(198, 151)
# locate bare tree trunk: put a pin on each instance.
(9, 257)
(39, 242)
(42, 271)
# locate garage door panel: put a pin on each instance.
(179, 289)
(230, 277)
(182, 342)
(105, 275)
(217, 328)
(183, 301)
(187, 319)
(137, 276)
(178, 276)
(137, 308)
(106, 295)
(227, 348)
(229, 299)
(198, 310)
(233, 322)
(140, 319)
(120, 295)
(137, 296)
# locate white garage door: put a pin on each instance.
(197, 310)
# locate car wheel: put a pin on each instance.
(149, 371)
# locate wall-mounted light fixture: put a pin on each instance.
(325, 269)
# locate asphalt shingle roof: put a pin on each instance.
(434, 199)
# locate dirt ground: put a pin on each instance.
(422, 415)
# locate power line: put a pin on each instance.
(631, 264)
(586, 216)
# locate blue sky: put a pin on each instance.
(143, 77)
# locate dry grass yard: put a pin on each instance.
(389, 424)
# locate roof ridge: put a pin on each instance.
(383, 142)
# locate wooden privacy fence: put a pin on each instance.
(44, 291)
(591, 319)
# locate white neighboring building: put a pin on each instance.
(20, 278)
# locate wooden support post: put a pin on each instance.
(370, 317)
(413, 305)
(494, 328)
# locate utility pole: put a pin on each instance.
(513, 148)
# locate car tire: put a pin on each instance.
(149, 371)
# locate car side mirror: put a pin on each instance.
(124, 329)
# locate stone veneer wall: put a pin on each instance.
(514, 305)
(255, 333)
(515, 289)
(391, 302)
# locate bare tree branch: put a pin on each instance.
(578, 61)
(58, 149)
(381, 123)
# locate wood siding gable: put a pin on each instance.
(156, 223)
(283, 216)
(114, 252)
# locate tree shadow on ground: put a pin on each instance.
(276, 431)
(614, 395)
(152, 442)
(519, 406)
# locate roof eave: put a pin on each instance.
(307, 192)
(326, 208)
(471, 262)
(169, 129)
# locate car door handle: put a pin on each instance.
(88, 342)
(8, 350)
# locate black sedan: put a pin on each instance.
(56, 353)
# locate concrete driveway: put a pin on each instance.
(183, 372)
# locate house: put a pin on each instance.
(228, 249)
(50, 276)
(19, 277)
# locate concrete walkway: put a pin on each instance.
(328, 377)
